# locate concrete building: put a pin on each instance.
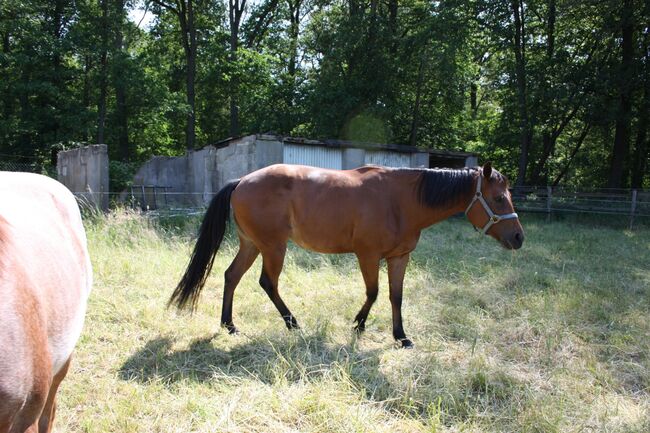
(85, 172)
(195, 177)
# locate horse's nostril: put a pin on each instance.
(519, 237)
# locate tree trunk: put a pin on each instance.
(7, 100)
(103, 75)
(640, 158)
(235, 10)
(86, 91)
(184, 11)
(473, 102)
(416, 107)
(575, 150)
(294, 28)
(58, 22)
(392, 25)
(525, 132)
(25, 110)
(191, 74)
(119, 83)
(617, 172)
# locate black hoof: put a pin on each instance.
(360, 324)
(232, 329)
(405, 343)
(291, 323)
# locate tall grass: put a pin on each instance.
(552, 338)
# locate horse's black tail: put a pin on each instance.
(211, 234)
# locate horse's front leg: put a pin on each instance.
(396, 270)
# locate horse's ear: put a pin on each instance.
(487, 170)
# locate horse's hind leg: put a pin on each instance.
(245, 257)
(47, 417)
(370, 271)
(396, 270)
(271, 267)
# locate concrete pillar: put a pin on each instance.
(420, 160)
(353, 158)
(85, 172)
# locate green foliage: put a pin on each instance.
(436, 74)
(121, 174)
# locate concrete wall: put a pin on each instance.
(239, 158)
(268, 151)
(195, 177)
(192, 178)
(85, 172)
(200, 174)
(163, 171)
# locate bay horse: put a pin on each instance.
(45, 280)
(374, 212)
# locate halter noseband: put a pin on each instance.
(494, 218)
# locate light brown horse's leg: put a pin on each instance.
(244, 259)
(271, 267)
(396, 270)
(47, 417)
(369, 266)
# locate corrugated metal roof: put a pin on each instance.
(332, 143)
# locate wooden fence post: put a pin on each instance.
(632, 208)
(549, 195)
(144, 198)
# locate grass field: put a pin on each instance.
(552, 338)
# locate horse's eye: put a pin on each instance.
(499, 199)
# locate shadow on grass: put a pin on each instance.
(266, 359)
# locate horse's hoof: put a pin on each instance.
(359, 327)
(232, 329)
(293, 326)
(291, 322)
(405, 343)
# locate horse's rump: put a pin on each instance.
(45, 279)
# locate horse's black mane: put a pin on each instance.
(439, 187)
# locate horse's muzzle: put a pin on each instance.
(513, 242)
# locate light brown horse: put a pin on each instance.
(375, 212)
(45, 279)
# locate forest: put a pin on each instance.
(554, 92)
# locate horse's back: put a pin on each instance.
(45, 279)
(320, 209)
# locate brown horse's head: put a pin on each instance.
(491, 209)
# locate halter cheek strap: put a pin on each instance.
(493, 218)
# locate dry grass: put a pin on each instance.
(552, 338)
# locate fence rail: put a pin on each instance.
(628, 203)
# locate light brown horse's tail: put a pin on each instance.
(211, 234)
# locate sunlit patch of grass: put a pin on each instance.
(552, 338)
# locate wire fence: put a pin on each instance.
(629, 206)
(30, 167)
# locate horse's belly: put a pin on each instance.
(322, 241)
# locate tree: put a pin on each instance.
(184, 11)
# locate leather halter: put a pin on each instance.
(493, 218)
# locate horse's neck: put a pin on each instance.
(429, 215)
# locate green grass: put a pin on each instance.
(552, 338)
